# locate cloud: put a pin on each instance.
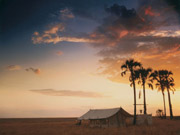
(150, 12)
(52, 92)
(120, 23)
(84, 13)
(126, 32)
(58, 39)
(149, 34)
(47, 35)
(66, 13)
(13, 67)
(168, 54)
(174, 4)
(53, 35)
(123, 22)
(34, 70)
(121, 11)
(162, 33)
(36, 33)
(55, 29)
(59, 53)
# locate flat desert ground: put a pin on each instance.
(66, 126)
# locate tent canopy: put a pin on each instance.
(102, 113)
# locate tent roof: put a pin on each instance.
(102, 113)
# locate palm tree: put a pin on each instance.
(169, 84)
(158, 76)
(142, 75)
(131, 65)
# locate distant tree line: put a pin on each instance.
(162, 79)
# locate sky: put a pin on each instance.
(60, 58)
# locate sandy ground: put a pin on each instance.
(66, 126)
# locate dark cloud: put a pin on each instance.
(121, 11)
(83, 13)
(120, 23)
(123, 28)
(137, 44)
(149, 33)
(52, 92)
(174, 4)
(34, 70)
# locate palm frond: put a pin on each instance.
(150, 85)
(123, 73)
(124, 66)
(131, 84)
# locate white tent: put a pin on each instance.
(106, 117)
(99, 113)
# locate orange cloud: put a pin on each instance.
(59, 53)
(13, 67)
(173, 52)
(60, 39)
(166, 59)
(123, 33)
(162, 33)
(51, 36)
(35, 70)
(36, 33)
(47, 34)
(150, 12)
(52, 92)
(55, 29)
(68, 39)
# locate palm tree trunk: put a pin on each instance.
(145, 109)
(164, 105)
(170, 105)
(134, 87)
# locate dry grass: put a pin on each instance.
(60, 126)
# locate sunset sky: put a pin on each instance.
(60, 58)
